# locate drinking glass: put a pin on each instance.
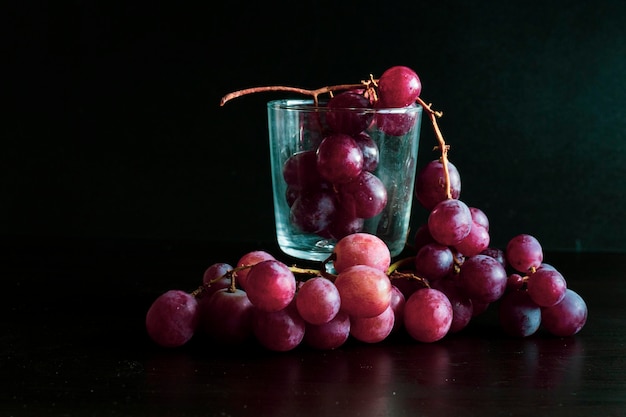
(316, 203)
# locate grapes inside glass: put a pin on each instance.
(341, 171)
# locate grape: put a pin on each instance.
(396, 123)
(397, 303)
(524, 252)
(250, 259)
(407, 286)
(399, 86)
(361, 249)
(546, 287)
(344, 224)
(483, 278)
(518, 314)
(430, 184)
(216, 271)
(427, 315)
(281, 330)
(450, 222)
(365, 291)
(475, 242)
(318, 300)
(346, 121)
(313, 211)
(515, 282)
(479, 216)
(462, 306)
(271, 285)
(371, 153)
(422, 237)
(567, 317)
(339, 158)
(172, 319)
(364, 196)
(497, 254)
(373, 329)
(300, 171)
(226, 316)
(329, 335)
(434, 261)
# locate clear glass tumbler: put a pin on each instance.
(324, 188)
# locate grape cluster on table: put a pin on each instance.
(452, 275)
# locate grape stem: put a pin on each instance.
(370, 92)
(314, 93)
(443, 147)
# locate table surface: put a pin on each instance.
(74, 344)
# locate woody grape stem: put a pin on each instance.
(443, 147)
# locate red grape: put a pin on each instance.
(361, 249)
(281, 330)
(271, 285)
(373, 329)
(329, 335)
(518, 314)
(250, 259)
(434, 261)
(364, 197)
(524, 252)
(318, 300)
(567, 317)
(365, 291)
(226, 317)
(450, 222)
(339, 158)
(399, 86)
(546, 287)
(342, 120)
(428, 315)
(430, 184)
(172, 318)
(483, 278)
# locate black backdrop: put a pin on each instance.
(114, 128)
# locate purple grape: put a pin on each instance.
(430, 184)
(483, 278)
(434, 261)
(396, 123)
(567, 317)
(462, 306)
(172, 318)
(371, 154)
(329, 335)
(399, 86)
(313, 211)
(449, 222)
(373, 329)
(279, 331)
(300, 171)
(339, 158)
(428, 315)
(226, 317)
(475, 242)
(546, 287)
(364, 197)
(524, 252)
(518, 314)
(342, 118)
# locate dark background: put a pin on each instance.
(114, 129)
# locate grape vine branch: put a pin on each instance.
(370, 92)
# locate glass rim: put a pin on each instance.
(308, 105)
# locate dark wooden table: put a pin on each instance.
(74, 344)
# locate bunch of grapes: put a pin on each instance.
(453, 275)
(453, 254)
